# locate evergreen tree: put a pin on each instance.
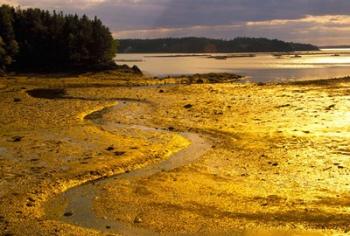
(8, 44)
(53, 41)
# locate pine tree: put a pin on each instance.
(8, 44)
(51, 41)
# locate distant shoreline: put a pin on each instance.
(208, 45)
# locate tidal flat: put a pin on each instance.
(114, 153)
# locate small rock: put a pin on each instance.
(110, 148)
(283, 106)
(188, 106)
(67, 214)
(161, 91)
(137, 220)
(330, 107)
(31, 199)
(275, 164)
(16, 139)
(171, 128)
(136, 70)
(16, 99)
(200, 81)
(119, 153)
(108, 227)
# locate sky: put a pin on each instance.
(321, 22)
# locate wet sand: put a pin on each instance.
(277, 162)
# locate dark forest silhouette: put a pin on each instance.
(206, 45)
(34, 39)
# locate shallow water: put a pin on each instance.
(80, 198)
(261, 68)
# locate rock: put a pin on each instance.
(17, 139)
(68, 214)
(136, 70)
(137, 220)
(275, 164)
(118, 153)
(171, 128)
(31, 199)
(161, 91)
(110, 148)
(283, 106)
(330, 107)
(200, 81)
(108, 227)
(188, 106)
(16, 99)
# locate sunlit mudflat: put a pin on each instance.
(109, 156)
(261, 67)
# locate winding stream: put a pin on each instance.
(79, 199)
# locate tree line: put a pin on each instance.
(34, 39)
(206, 45)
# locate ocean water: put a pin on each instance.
(261, 67)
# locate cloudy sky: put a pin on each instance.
(322, 22)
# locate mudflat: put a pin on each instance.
(113, 153)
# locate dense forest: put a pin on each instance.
(33, 39)
(205, 45)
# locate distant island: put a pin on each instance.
(206, 45)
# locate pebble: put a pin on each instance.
(119, 153)
(67, 214)
(188, 106)
(17, 139)
(137, 220)
(330, 107)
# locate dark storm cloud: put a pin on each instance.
(215, 18)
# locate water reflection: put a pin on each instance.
(261, 68)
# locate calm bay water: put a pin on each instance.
(328, 63)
